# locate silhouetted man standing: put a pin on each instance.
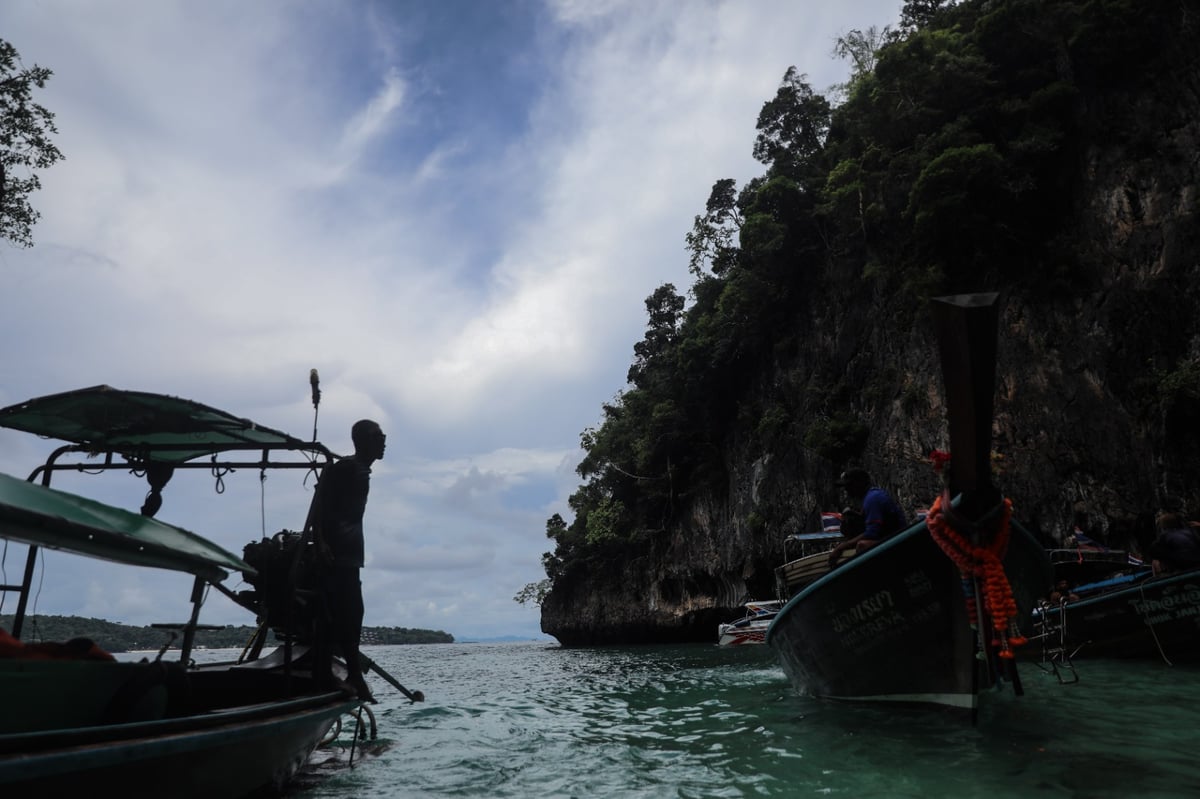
(340, 501)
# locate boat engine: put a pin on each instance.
(284, 584)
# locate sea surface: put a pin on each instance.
(537, 720)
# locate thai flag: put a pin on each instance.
(1134, 560)
(831, 522)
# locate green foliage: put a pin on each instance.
(954, 204)
(861, 49)
(533, 593)
(652, 355)
(396, 636)
(606, 522)
(772, 422)
(839, 439)
(1181, 382)
(712, 240)
(25, 146)
(792, 127)
(915, 14)
(556, 528)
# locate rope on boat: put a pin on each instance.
(1157, 643)
(262, 498)
(982, 562)
(218, 473)
(333, 734)
(359, 730)
(253, 637)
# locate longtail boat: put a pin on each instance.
(932, 615)
(76, 720)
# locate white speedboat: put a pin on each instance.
(751, 628)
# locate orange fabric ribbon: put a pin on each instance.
(984, 561)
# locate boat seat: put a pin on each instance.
(802, 571)
(42, 695)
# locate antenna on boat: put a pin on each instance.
(314, 380)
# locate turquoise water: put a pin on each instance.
(536, 720)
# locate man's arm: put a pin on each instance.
(835, 554)
(326, 486)
(874, 513)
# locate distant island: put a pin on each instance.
(114, 637)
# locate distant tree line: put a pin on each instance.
(114, 637)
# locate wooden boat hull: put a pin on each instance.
(95, 728)
(229, 754)
(891, 625)
(1153, 618)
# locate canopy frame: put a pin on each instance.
(155, 434)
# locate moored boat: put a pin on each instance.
(76, 720)
(1083, 564)
(1136, 615)
(893, 625)
(930, 616)
(806, 560)
(750, 628)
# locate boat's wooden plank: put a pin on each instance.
(807, 569)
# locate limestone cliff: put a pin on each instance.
(1097, 418)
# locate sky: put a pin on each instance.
(454, 210)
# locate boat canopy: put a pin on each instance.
(143, 425)
(45, 517)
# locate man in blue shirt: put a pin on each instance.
(882, 517)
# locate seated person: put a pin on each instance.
(1177, 546)
(882, 517)
(1062, 593)
(853, 523)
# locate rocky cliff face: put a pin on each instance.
(1097, 420)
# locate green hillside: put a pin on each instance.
(115, 637)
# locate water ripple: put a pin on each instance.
(532, 720)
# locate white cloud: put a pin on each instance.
(375, 118)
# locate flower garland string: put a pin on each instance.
(982, 561)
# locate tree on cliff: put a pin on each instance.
(25, 146)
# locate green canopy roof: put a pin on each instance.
(136, 423)
(46, 517)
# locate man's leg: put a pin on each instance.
(322, 640)
(349, 630)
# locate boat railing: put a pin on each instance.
(311, 455)
(808, 561)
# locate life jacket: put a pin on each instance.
(75, 649)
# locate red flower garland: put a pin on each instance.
(982, 561)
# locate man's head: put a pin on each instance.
(856, 482)
(369, 440)
(1169, 521)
